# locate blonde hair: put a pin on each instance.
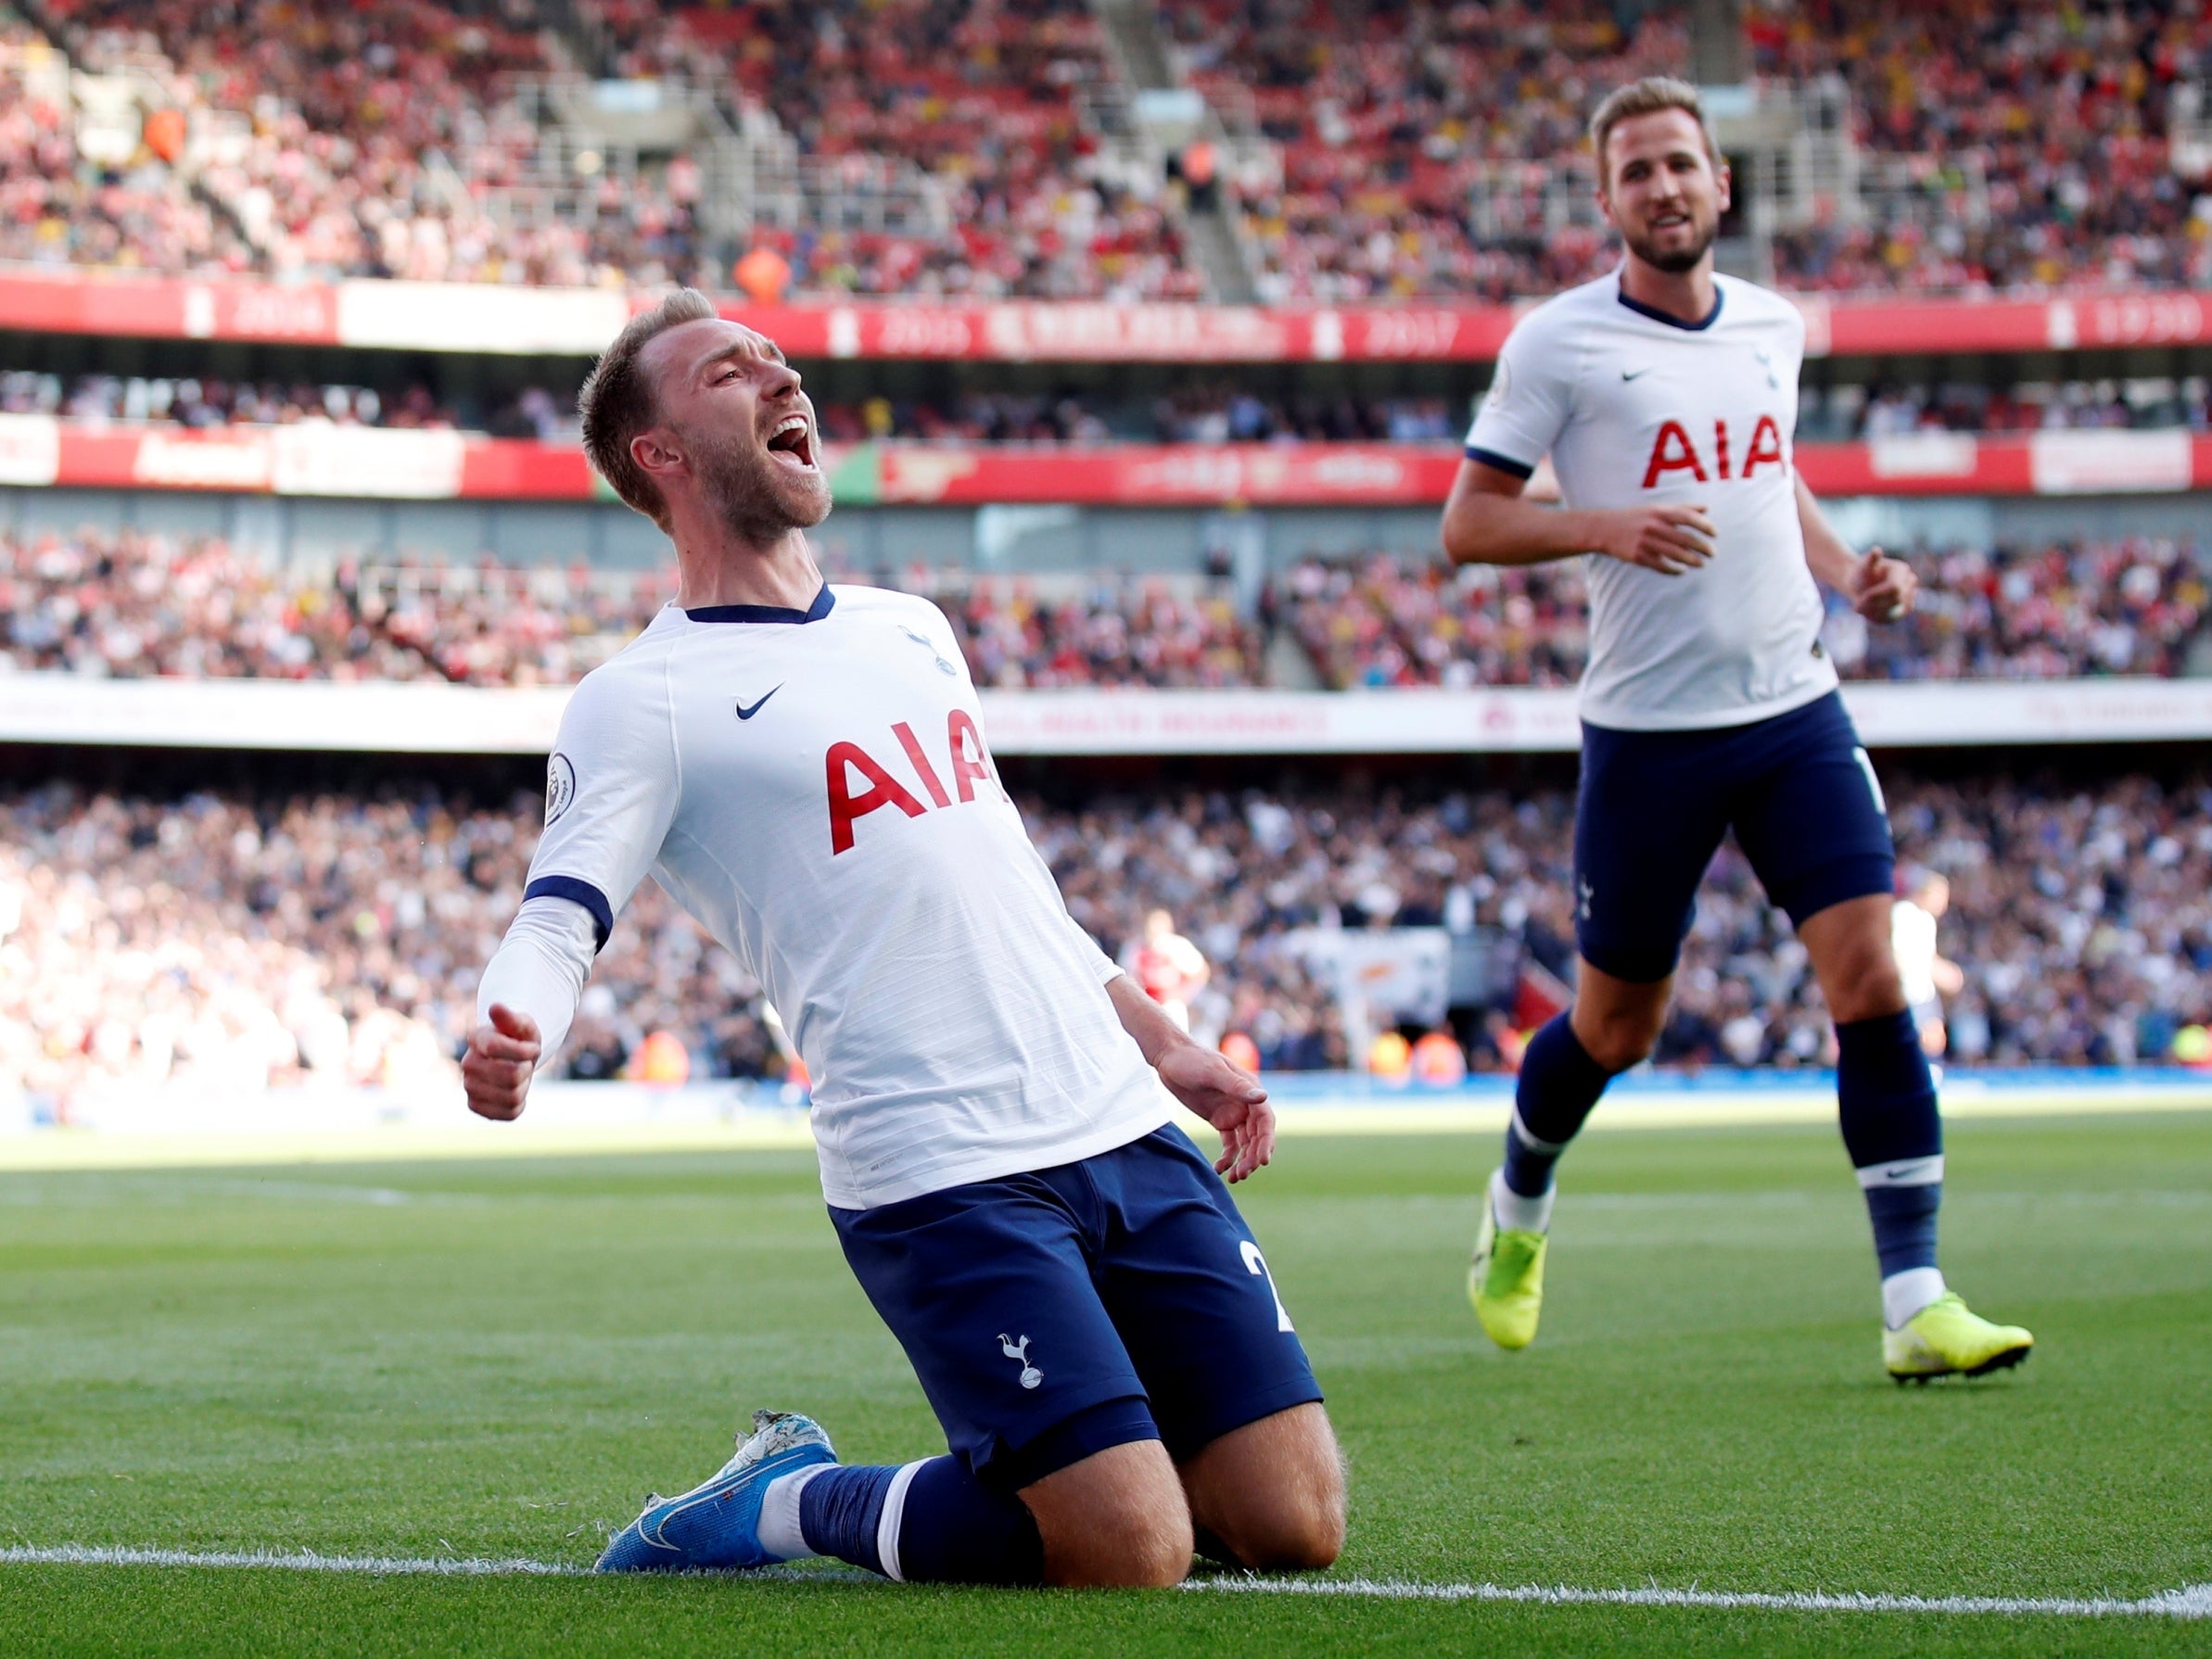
(618, 401)
(1648, 96)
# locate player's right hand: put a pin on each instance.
(1668, 540)
(502, 1058)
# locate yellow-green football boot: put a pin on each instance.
(1947, 1338)
(1505, 1280)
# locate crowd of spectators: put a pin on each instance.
(240, 941)
(1227, 414)
(1200, 412)
(2078, 913)
(1384, 620)
(368, 140)
(1394, 149)
(1848, 411)
(2037, 610)
(984, 103)
(1113, 630)
(977, 418)
(1389, 117)
(1432, 149)
(2037, 143)
(203, 401)
(2033, 611)
(132, 604)
(61, 206)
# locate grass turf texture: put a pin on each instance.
(498, 1359)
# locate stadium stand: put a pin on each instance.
(363, 141)
(1388, 151)
(249, 940)
(1205, 411)
(131, 604)
(2006, 152)
(2069, 608)
(61, 206)
(2037, 149)
(986, 104)
(1121, 631)
(1385, 119)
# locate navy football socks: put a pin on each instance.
(1894, 1133)
(926, 1523)
(1559, 1082)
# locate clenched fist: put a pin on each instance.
(1883, 588)
(502, 1058)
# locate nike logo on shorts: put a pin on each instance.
(746, 714)
(1636, 373)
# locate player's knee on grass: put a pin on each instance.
(1117, 1520)
(1271, 1494)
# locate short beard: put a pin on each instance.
(1678, 260)
(750, 493)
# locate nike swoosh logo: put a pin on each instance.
(746, 714)
(1634, 374)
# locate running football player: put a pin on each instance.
(804, 768)
(1666, 396)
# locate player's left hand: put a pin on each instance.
(1228, 1097)
(1883, 588)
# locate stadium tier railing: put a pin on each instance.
(479, 318)
(429, 718)
(318, 459)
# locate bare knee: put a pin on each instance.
(1871, 992)
(1618, 1038)
(1305, 1537)
(1121, 1552)
(1854, 960)
(1273, 1492)
(1117, 1520)
(1618, 1021)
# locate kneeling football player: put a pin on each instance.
(803, 766)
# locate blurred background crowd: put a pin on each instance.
(130, 604)
(245, 939)
(1379, 151)
(1190, 412)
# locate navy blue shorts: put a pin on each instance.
(1796, 789)
(1053, 1315)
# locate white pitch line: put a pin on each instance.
(2194, 1602)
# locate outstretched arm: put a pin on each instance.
(1223, 1094)
(1880, 589)
(525, 1003)
(611, 787)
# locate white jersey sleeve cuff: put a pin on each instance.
(540, 967)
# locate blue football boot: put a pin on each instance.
(717, 1524)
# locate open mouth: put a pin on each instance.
(793, 443)
(1667, 221)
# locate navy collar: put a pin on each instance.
(1669, 318)
(813, 612)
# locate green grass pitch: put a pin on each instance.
(498, 1359)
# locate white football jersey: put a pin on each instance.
(1637, 409)
(813, 786)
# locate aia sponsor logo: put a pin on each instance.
(968, 765)
(1673, 450)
